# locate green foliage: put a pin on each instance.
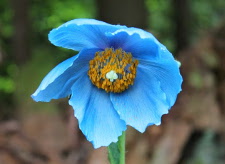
(29, 76)
(6, 13)
(6, 85)
(53, 13)
(116, 151)
(160, 21)
(41, 63)
(205, 14)
(196, 80)
(207, 151)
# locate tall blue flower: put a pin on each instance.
(121, 76)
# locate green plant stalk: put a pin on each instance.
(116, 151)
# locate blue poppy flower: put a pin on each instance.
(121, 76)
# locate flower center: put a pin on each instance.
(112, 70)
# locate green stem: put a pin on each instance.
(122, 143)
(116, 151)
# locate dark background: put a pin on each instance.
(47, 133)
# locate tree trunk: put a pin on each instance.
(125, 12)
(182, 23)
(21, 31)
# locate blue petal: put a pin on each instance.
(142, 33)
(143, 103)
(97, 118)
(82, 33)
(166, 70)
(141, 44)
(58, 82)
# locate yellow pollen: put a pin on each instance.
(112, 70)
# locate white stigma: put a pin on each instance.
(112, 75)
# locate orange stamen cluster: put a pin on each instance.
(117, 61)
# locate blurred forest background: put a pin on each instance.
(47, 133)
